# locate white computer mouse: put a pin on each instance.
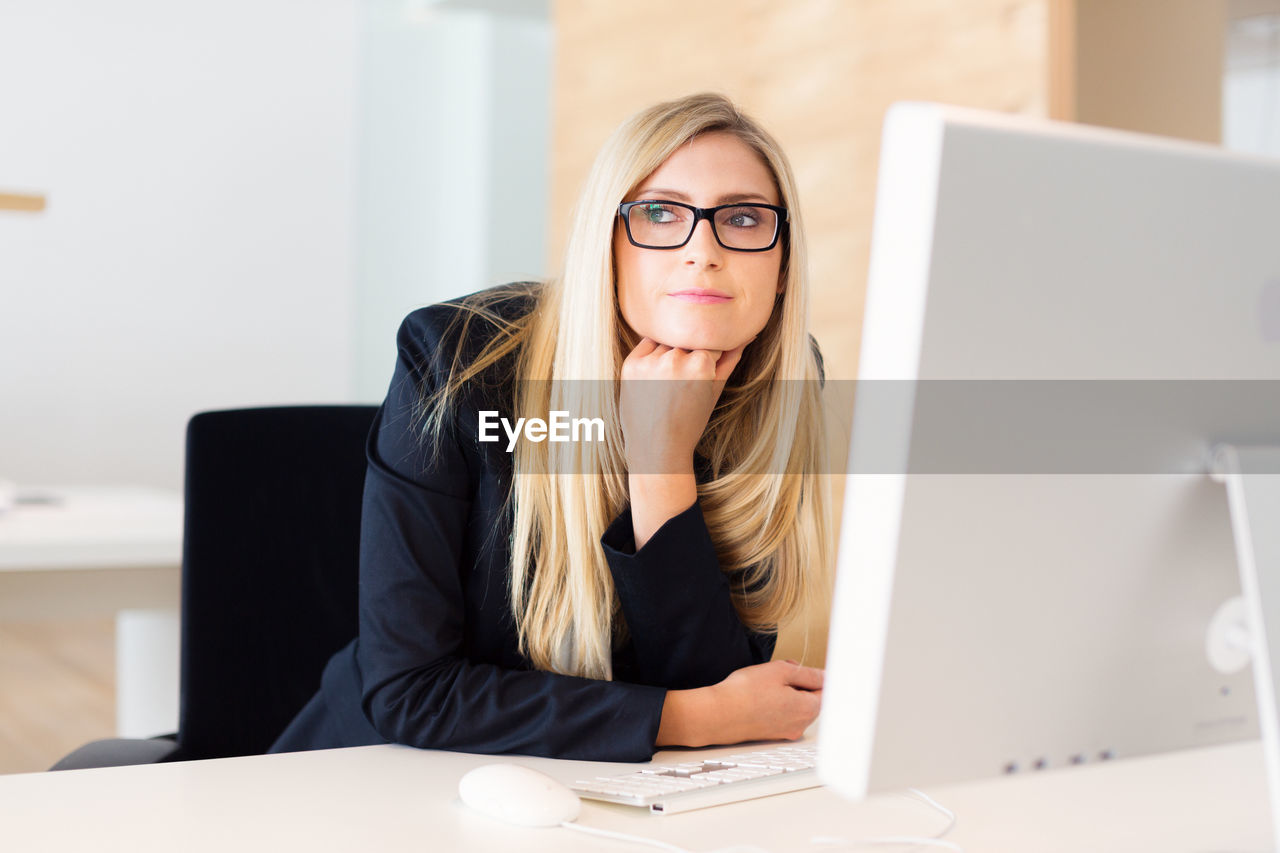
(518, 795)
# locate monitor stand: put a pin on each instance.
(1252, 477)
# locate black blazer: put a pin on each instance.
(436, 664)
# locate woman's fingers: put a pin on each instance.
(804, 677)
(726, 362)
(650, 359)
(644, 348)
(770, 700)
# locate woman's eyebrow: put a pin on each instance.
(724, 199)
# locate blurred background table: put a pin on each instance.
(76, 552)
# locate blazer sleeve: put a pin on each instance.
(418, 687)
(676, 600)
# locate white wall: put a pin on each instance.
(245, 197)
(196, 251)
(454, 127)
(1251, 85)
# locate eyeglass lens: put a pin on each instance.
(738, 227)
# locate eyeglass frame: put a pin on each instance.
(707, 213)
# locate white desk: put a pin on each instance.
(97, 551)
(392, 798)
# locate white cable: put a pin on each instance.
(622, 836)
(931, 841)
(946, 812)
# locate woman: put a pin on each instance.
(597, 599)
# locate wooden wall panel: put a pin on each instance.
(1154, 66)
(1062, 60)
(820, 75)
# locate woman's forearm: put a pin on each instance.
(688, 718)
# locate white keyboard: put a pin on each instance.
(670, 788)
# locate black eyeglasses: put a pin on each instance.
(653, 224)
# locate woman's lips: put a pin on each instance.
(703, 297)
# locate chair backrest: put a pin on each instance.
(269, 567)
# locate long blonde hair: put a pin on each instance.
(765, 504)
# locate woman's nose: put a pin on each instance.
(703, 248)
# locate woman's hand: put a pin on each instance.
(770, 701)
(662, 422)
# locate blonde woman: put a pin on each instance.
(601, 597)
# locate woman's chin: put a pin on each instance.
(714, 342)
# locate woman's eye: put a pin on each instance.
(658, 214)
(742, 219)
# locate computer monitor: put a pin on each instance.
(1035, 567)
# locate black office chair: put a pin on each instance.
(269, 576)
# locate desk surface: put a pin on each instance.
(394, 798)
